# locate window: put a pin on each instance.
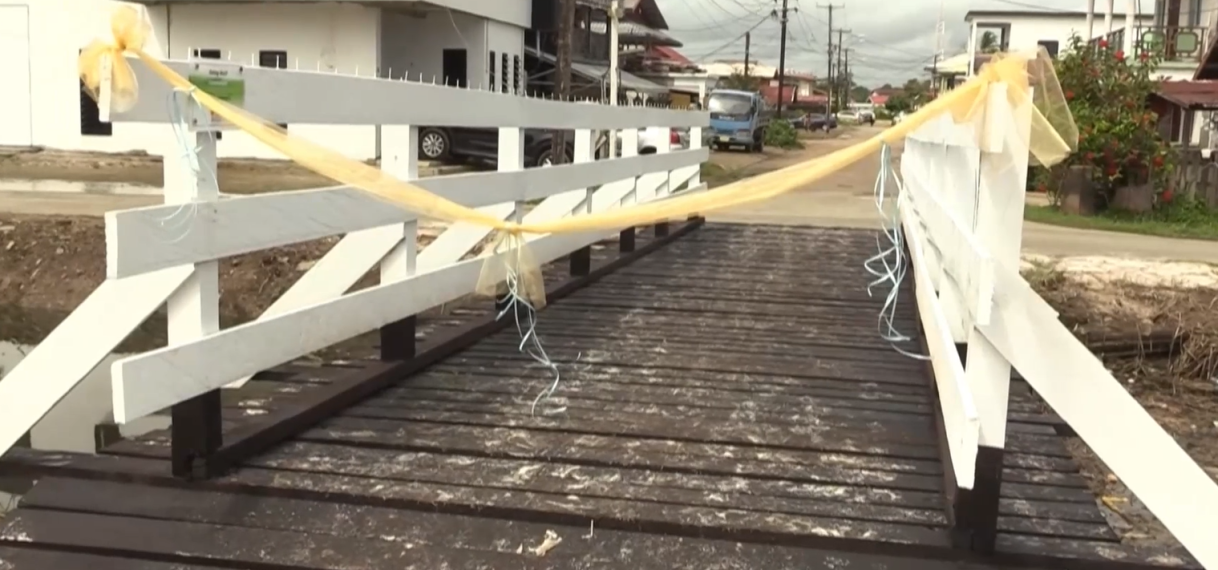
(517, 81)
(506, 89)
(273, 59)
(206, 53)
(90, 115)
(1050, 46)
(490, 65)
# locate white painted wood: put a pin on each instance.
(402, 149)
(307, 97)
(106, 317)
(960, 416)
(140, 386)
(999, 228)
(142, 239)
(584, 153)
(695, 143)
(193, 309)
(1073, 382)
(965, 272)
(630, 148)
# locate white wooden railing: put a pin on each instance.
(169, 253)
(961, 207)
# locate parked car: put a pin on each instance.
(820, 122)
(482, 145)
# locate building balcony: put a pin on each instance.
(1174, 44)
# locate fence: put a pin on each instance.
(962, 210)
(169, 253)
(1196, 177)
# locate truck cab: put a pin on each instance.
(737, 118)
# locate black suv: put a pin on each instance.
(482, 145)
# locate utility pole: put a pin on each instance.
(614, 74)
(829, 57)
(782, 58)
(562, 73)
(846, 78)
(748, 39)
(840, 72)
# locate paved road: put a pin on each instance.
(846, 199)
(843, 199)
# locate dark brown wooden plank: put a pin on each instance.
(589, 546)
(493, 365)
(193, 543)
(27, 558)
(784, 437)
(1040, 550)
(457, 387)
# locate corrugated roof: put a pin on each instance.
(1190, 94)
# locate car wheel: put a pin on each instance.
(433, 144)
(545, 158)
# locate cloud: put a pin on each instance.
(890, 40)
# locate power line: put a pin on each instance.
(732, 41)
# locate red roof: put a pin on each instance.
(667, 54)
(1190, 94)
(878, 99)
(790, 95)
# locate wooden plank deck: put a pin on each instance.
(725, 402)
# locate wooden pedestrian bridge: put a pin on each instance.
(703, 395)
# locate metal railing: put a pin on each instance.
(1182, 44)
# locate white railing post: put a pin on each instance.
(695, 142)
(584, 152)
(666, 187)
(998, 228)
(511, 159)
(400, 158)
(630, 148)
(194, 308)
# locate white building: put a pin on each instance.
(434, 40)
(1024, 30)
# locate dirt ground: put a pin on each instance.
(241, 176)
(50, 264)
(1104, 297)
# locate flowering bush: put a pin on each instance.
(1108, 95)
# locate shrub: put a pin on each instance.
(782, 135)
(1108, 95)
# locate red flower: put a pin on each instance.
(1158, 161)
(1069, 95)
(1120, 55)
(1103, 43)
(1144, 57)
(1167, 195)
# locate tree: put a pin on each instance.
(989, 43)
(1107, 94)
(898, 103)
(859, 93)
(741, 82)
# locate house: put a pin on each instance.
(798, 89)
(1181, 33)
(728, 67)
(448, 41)
(1025, 30)
(590, 49)
(880, 97)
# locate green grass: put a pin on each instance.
(717, 175)
(1183, 221)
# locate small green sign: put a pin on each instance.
(231, 90)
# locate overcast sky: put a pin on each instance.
(890, 40)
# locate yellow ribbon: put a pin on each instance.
(1051, 141)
